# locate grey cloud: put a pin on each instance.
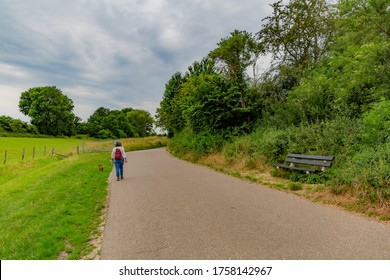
(112, 53)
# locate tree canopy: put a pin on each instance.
(128, 122)
(50, 110)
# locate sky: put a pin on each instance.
(111, 53)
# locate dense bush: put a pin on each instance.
(198, 144)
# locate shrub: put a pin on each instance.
(197, 144)
(376, 122)
(295, 186)
(369, 169)
(105, 134)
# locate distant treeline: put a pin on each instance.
(51, 114)
(327, 92)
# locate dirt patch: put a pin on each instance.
(64, 255)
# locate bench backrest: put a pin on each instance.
(325, 161)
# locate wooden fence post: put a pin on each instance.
(83, 147)
(5, 156)
(78, 149)
(52, 151)
(23, 153)
(33, 152)
(44, 151)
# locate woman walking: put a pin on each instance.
(118, 155)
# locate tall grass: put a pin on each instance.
(130, 144)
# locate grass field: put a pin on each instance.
(14, 147)
(52, 205)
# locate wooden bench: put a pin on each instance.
(306, 163)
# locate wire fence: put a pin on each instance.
(36, 152)
(39, 152)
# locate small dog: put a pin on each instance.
(101, 167)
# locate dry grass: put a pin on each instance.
(130, 144)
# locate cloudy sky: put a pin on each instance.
(111, 53)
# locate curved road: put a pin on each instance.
(166, 208)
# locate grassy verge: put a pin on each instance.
(51, 207)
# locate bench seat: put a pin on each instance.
(306, 163)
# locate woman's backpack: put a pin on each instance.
(118, 154)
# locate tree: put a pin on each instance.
(95, 121)
(299, 33)
(141, 121)
(128, 122)
(8, 124)
(116, 122)
(49, 109)
(212, 104)
(235, 54)
(169, 115)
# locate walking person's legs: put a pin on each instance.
(118, 168)
(122, 162)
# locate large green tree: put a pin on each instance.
(141, 121)
(49, 109)
(169, 115)
(234, 55)
(356, 72)
(299, 33)
(95, 121)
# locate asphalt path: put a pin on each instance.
(166, 209)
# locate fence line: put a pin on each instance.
(35, 154)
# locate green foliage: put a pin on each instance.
(368, 168)
(141, 122)
(9, 125)
(197, 144)
(299, 32)
(204, 100)
(169, 115)
(105, 123)
(94, 124)
(235, 54)
(295, 186)
(212, 104)
(376, 123)
(104, 134)
(50, 110)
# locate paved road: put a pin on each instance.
(166, 208)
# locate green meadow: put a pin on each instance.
(14, 147)
(51, 207)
